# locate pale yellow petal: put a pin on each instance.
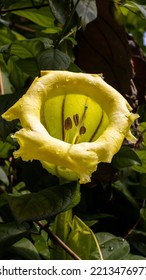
(77, 161)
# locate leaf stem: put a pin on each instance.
(97, 245)
(55, 238)
(68, 20)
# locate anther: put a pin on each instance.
(68, 123)
(80, 127)
(82, 130)
(76, 119)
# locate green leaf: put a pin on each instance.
(134, 257)
(121, 187)
(5, 54)
(26, 48)
(47, 42)
(59, 10)
(28, 66)
(45, 203)
(5, 149)
(11, 233)
(87, 10)
(62, 224)
(61, 227)
(141, 8)
(41, 244)
(17, 77)
(6, 36)
(3, 177)
(52, 30)
(83, 241)
(137, 240)
(143, 213)
(3, 200)
(43, 16)
(74, 68)
(112, 247)
(142, 153)
(53, 59)
(142, 168)
(125, 157)
(25, 249)
(141, 188)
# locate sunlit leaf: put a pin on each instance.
(82, 240)
(142, 168)
(86, 10)
(135, 6)
(26, 48)
(42, 17)
(61, 227)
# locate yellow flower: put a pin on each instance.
(71, 122)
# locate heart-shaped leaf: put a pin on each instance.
(53, 59)
(45, 203)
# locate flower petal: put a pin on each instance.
(61, 158)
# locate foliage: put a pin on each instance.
(105, 219)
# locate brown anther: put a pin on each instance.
(82, 130)
(76, 119)
(68, 123)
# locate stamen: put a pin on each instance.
(68, 123)
(80, 124)
(82, 130)
(83, 116)
(67, 126)
(76, 119)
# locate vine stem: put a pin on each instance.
(68, 20)
(4, 11)
(57, 240)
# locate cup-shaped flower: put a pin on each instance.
(71, 122)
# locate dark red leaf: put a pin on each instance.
(103, 48)
(139, 69)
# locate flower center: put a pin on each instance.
(74, 118)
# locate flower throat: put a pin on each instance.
(74, 118)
